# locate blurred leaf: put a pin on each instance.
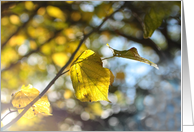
(60, 40)
(69, 2)
(120, 75)
(103, 10)
(87, 16)
(29, 5)
(14, 19)
(55, 12)
(120, 96)
(46, 49)
(96, 108)
(90, 80)
(131, 54)
(19, 9)
(8, 55)
(33, 45)
(153, 19)
(17, 40)
(60, 58)
(26, 95)
(76, 16)
(67, 94)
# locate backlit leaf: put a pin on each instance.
(132, 54)
(26, 95)
(90, 80)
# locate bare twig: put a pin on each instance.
(58, 74)
(9, 113)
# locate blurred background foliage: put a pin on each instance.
(38, 38)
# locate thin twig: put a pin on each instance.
(64, 72)
(8, 114)
(58, 74)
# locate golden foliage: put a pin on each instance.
(90, 80)
(120, 75)
(55, 12)
(67, 94)
(26, 95)
(60, 58)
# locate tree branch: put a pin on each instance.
(58, 74)
(8, 114)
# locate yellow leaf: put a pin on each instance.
(90, 80)
(96, 109)
(75, 16)
(67, 94)
(120, 75)
(103, 10)
(27, 94)
(87, 16)
(14, 19)
(60, 40)
(17, 40)
(56, 12)
(69, 2)
(60, 58)
(71, 47)
(132, 54)
(41, 11)
(29, 5)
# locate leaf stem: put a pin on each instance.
(9, 113)
(108, 58)
(64, 72)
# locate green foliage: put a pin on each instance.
(154, 17)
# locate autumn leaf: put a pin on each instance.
(120, 75)
(90, 80)
(132, 54)
(26, 95)
(56, 12)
